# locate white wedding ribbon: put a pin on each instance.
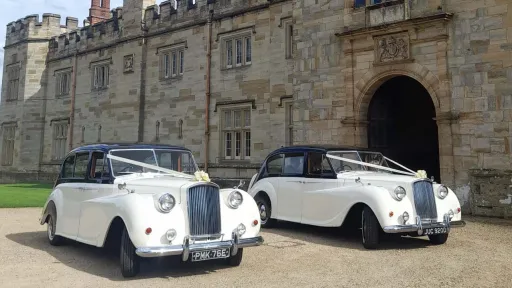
(149, 166)
(370, 165)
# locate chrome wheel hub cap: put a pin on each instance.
(50, 229)
(263, 213)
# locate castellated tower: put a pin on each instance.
(23, 87)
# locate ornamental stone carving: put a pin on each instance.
(392, 48)
(128, 63)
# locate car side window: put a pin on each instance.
(68, 166)
(275, 165)
(99, 169)
(318, 165)
(82, 160)
(293, 164)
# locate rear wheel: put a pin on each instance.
(237, 259)
(51, 225)
(130, 262)
(438, 239)
(370, 229)
(265, 211)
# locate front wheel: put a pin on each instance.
(438, 239)
(237, 259)
(265, 211)
(370, 229)
(130, 262)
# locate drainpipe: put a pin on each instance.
(208, 92)
(142, 93)
(73, 94)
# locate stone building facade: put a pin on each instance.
(428, 82)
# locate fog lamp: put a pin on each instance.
(405, 216)
(240, 229)
(171, 234)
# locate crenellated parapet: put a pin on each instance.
(88, 36)
(167, 16)
(173, 14)
(30, 28)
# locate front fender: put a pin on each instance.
(379, 200)
(266, 186)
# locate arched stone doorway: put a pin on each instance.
(401, 124)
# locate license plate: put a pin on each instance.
(435, 231)
(210, 254)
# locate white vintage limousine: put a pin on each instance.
(331, 186)
(148, 201)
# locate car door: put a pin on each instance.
(320, 192)
(93, 218)
(72, 195)
(290, 187)
(65, 184)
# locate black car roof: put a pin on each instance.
(106, 147)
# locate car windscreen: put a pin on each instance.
(181, 161)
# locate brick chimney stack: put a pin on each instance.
(100, 11)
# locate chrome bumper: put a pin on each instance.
(186, 248)
(420, 226)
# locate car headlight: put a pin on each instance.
(166, 202)
(399, 193)
(442, 192)
(235, 199)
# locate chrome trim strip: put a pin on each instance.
(187, 248)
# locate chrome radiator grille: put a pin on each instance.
(203, 210)
(424, 200)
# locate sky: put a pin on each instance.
(13, 10)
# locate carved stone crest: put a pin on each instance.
(392, 48)
(128, 63)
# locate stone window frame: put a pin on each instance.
(288, 120)
(246, 139)
(96, 67)
(287, 24)
(63, 89)
(60, 129)
(13, 73)
(8, 142)
(229, 48)
(167, 63)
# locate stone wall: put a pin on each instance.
(491, 192)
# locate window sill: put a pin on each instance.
(99, 89)
(170, 80)
(236, 67)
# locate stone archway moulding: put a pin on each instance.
(373, 79)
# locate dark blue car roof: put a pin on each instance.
(316, 148)
(106, 147)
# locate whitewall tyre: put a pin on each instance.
(265, 211)
(130, 262)
(370, 229)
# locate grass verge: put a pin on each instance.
(24, 195)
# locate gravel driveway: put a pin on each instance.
(479, 255)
